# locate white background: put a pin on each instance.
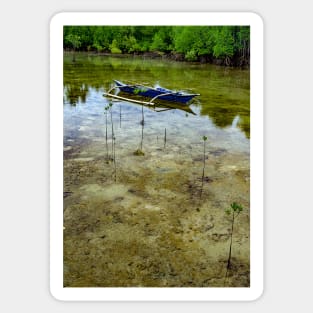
(24, 155)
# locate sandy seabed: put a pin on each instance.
(152, 226)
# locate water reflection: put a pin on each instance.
(225, 93)
(75, 93)
(235, 122)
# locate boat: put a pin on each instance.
(157, 93)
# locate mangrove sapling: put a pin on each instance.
(142, 116)
(142, 126)
(113, 140)
(106, 132)
(120, 116)
(164, 138)
(139, 152)
(204, 140)
(112, 132)
(234, 211)
(114, 159)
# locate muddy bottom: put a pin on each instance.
(150, 219)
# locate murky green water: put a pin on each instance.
(149, 220)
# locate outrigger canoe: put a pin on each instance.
(157, 93)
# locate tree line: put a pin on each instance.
(227, 45)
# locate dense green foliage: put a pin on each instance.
(220, 44)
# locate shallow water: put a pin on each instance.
(151, 220)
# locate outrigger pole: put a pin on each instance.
(128, 99)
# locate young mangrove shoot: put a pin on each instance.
(114, 159)
(234, 211)
(204, 140)
(139, 152)
(112, 133)
(164, 138)
(120, 116)
(142, 116)
(106, 132)
(141, 142)
(113, 140)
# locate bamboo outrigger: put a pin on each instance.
(158, 93)
(108, 94)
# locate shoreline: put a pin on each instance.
(171, 56)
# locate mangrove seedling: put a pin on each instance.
(112, 133)
(120, 116)
(142, 116)
(113, 140)
(114, 159)
(106, 131)
(164, 138)
(142, 126)
(204, 140)
(234, 211)
(139, 152)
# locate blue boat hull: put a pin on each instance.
(160, 93)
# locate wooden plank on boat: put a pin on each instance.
(128, 99)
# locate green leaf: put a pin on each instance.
(236, 207)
